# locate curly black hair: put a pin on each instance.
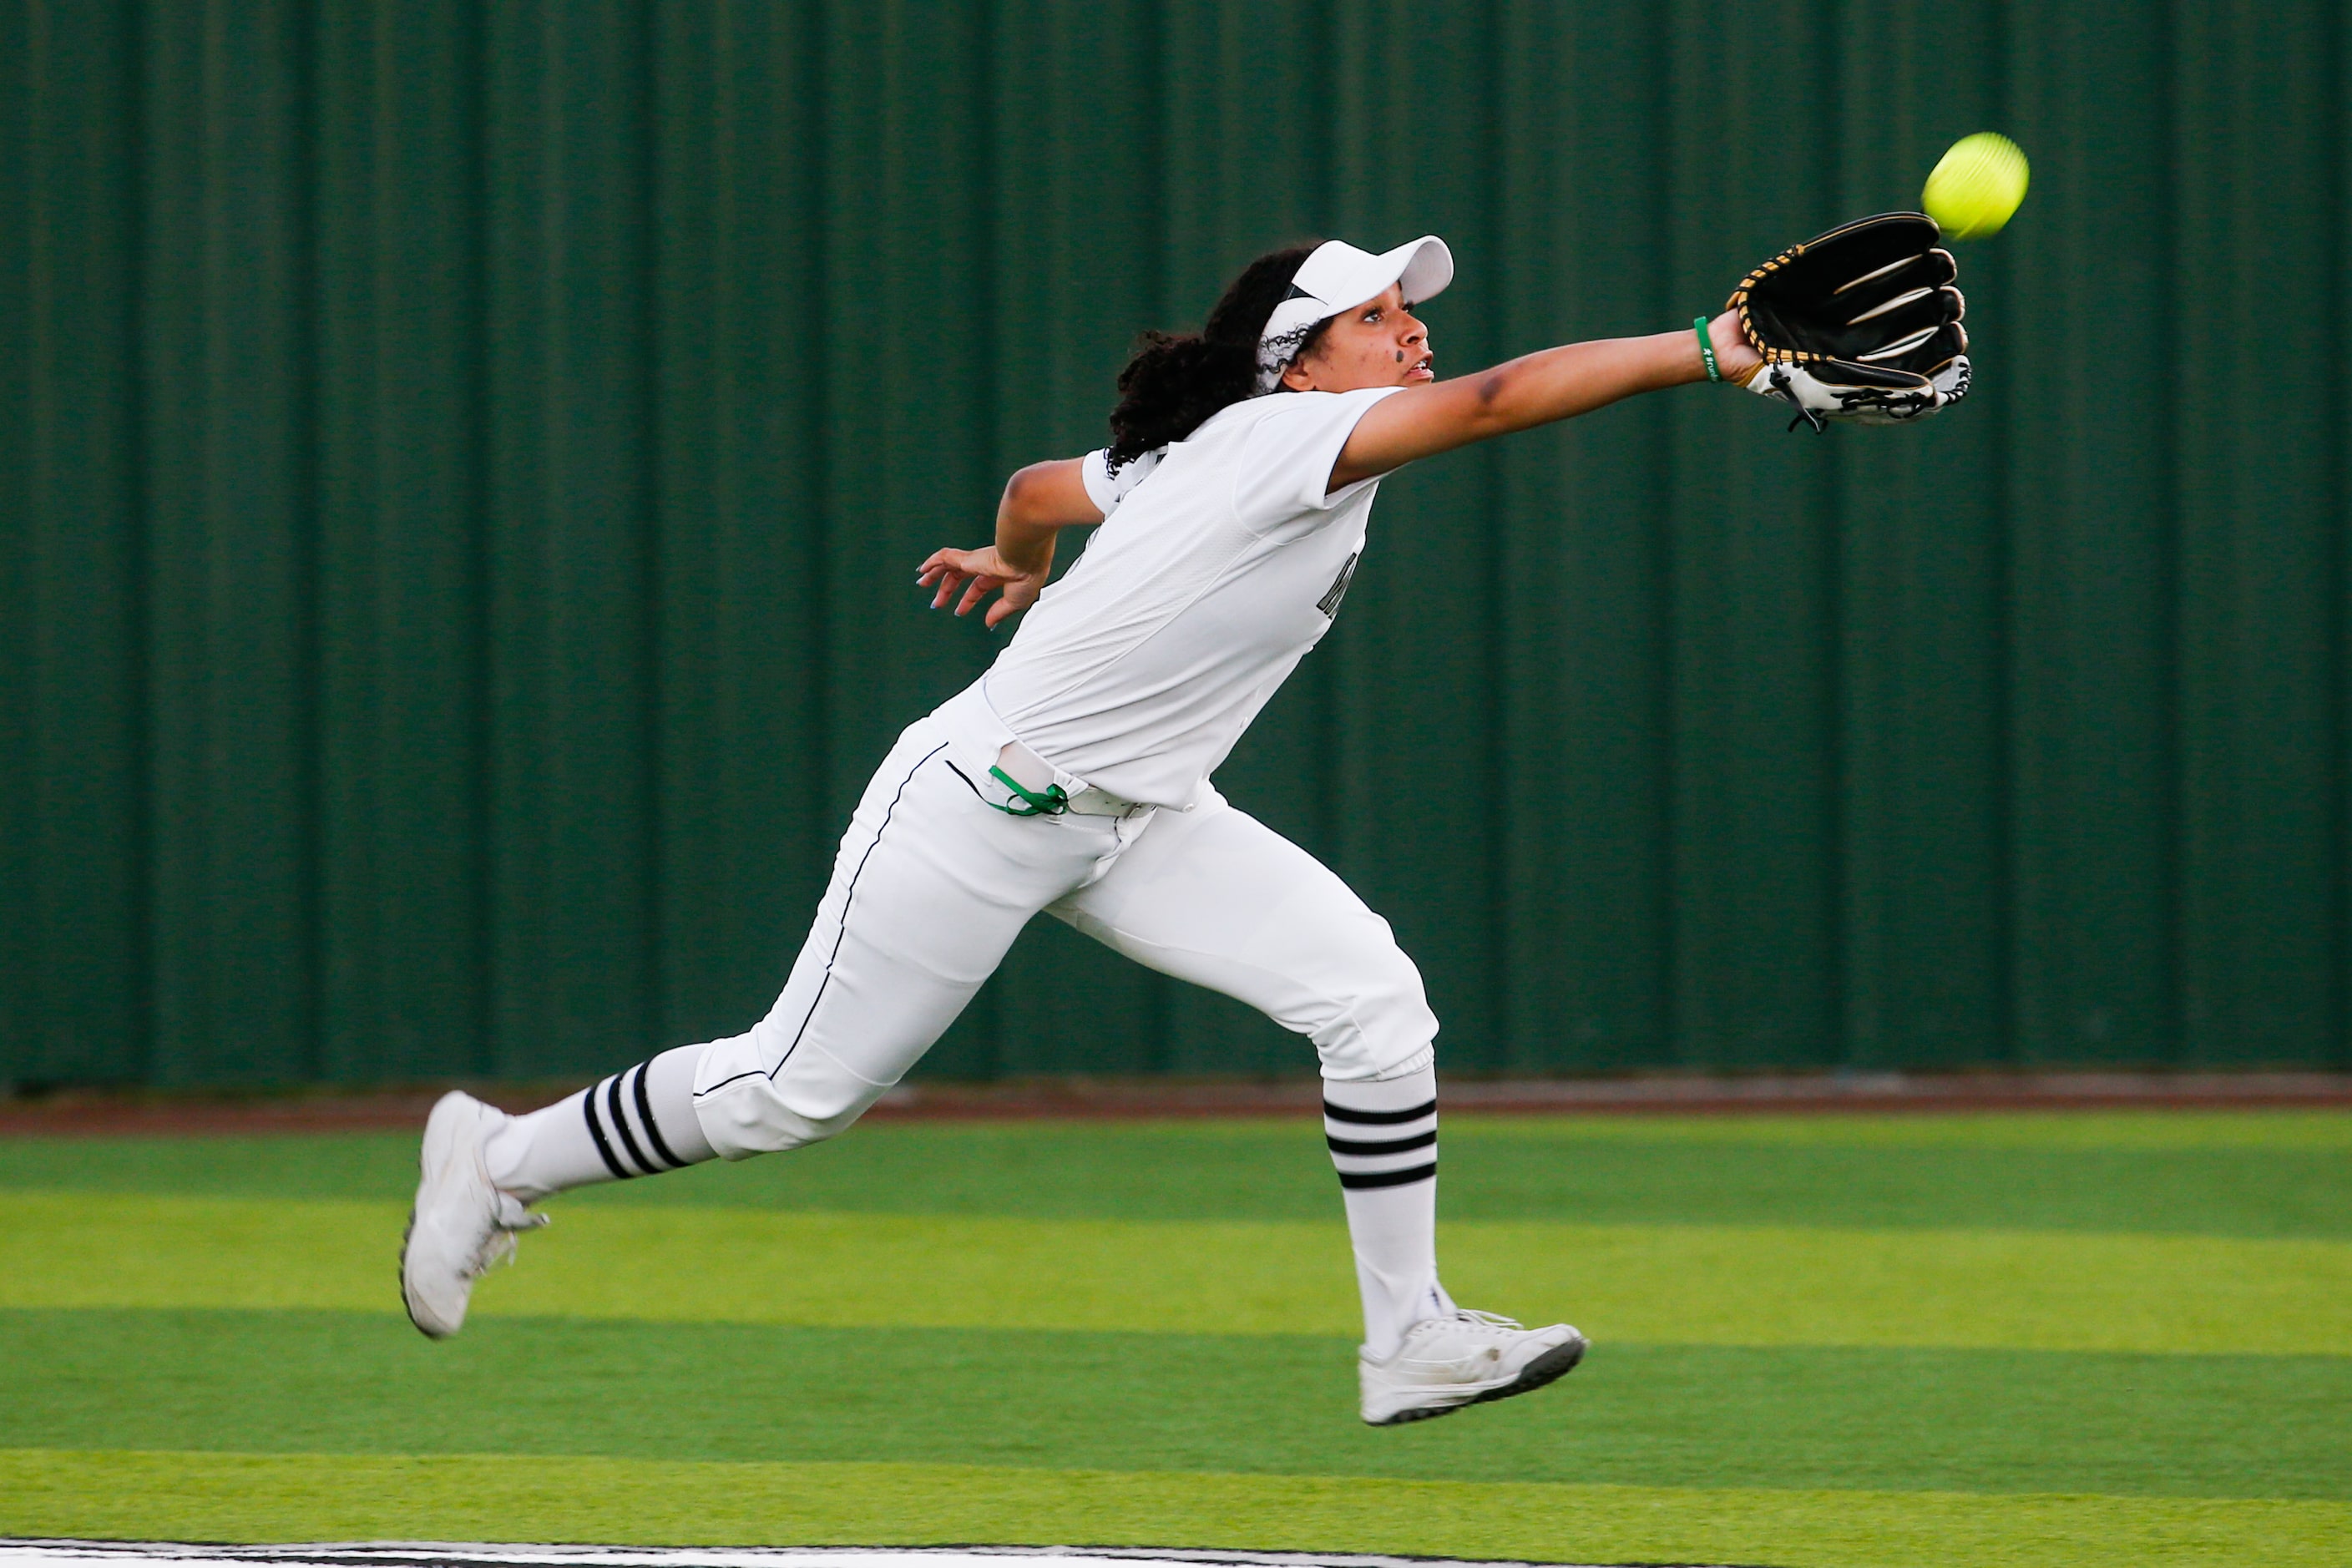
(1175, 383)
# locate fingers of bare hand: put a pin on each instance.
(980, 588)
(949, 582)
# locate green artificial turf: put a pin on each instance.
(2216, 1173)
(328, 1497)
(1635, 1415)
(2082, 1339)
(1760, 1285)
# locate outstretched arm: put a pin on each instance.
(1554, 383)
(1040, 500)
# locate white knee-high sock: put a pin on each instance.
(638, 1122)
(1383, 1139)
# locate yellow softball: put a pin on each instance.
(1975, 187)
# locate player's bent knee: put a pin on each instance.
(751, 1118)
(1383, 1026)
(805, 1100)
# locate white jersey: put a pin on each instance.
(1198, 595)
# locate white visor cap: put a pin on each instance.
(1339, 277)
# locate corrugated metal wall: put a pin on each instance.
(465, 468)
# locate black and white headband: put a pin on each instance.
(1339, 277)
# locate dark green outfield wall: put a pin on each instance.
(465, 468)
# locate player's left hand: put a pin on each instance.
(1861, 323)
(981, 573)
(1736, 358)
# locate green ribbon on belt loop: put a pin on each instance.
(1052, 803)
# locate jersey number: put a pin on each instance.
(1330, 603)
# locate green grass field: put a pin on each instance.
(2080, 1339)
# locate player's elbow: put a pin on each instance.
(1025, 495)
(1499, 404)
(1048, 495)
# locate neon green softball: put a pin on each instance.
(1975, 187)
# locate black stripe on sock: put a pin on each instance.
(621, 1124)
(1394, 1146)
(604, 1147)
(1377, 1118)
(1388, 1178)
(645, 1115)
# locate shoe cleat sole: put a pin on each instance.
(406, 1303)
(1545, 1370)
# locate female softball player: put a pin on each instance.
(1073, 778)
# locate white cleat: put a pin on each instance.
(462, 1224)
(1469, 1358)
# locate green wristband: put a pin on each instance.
(1706, 348)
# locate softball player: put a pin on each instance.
(1073, 778)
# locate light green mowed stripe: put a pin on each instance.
(323, 1496)
(1692, 1285)
(2280, 1131)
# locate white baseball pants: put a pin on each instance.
(933, 885)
